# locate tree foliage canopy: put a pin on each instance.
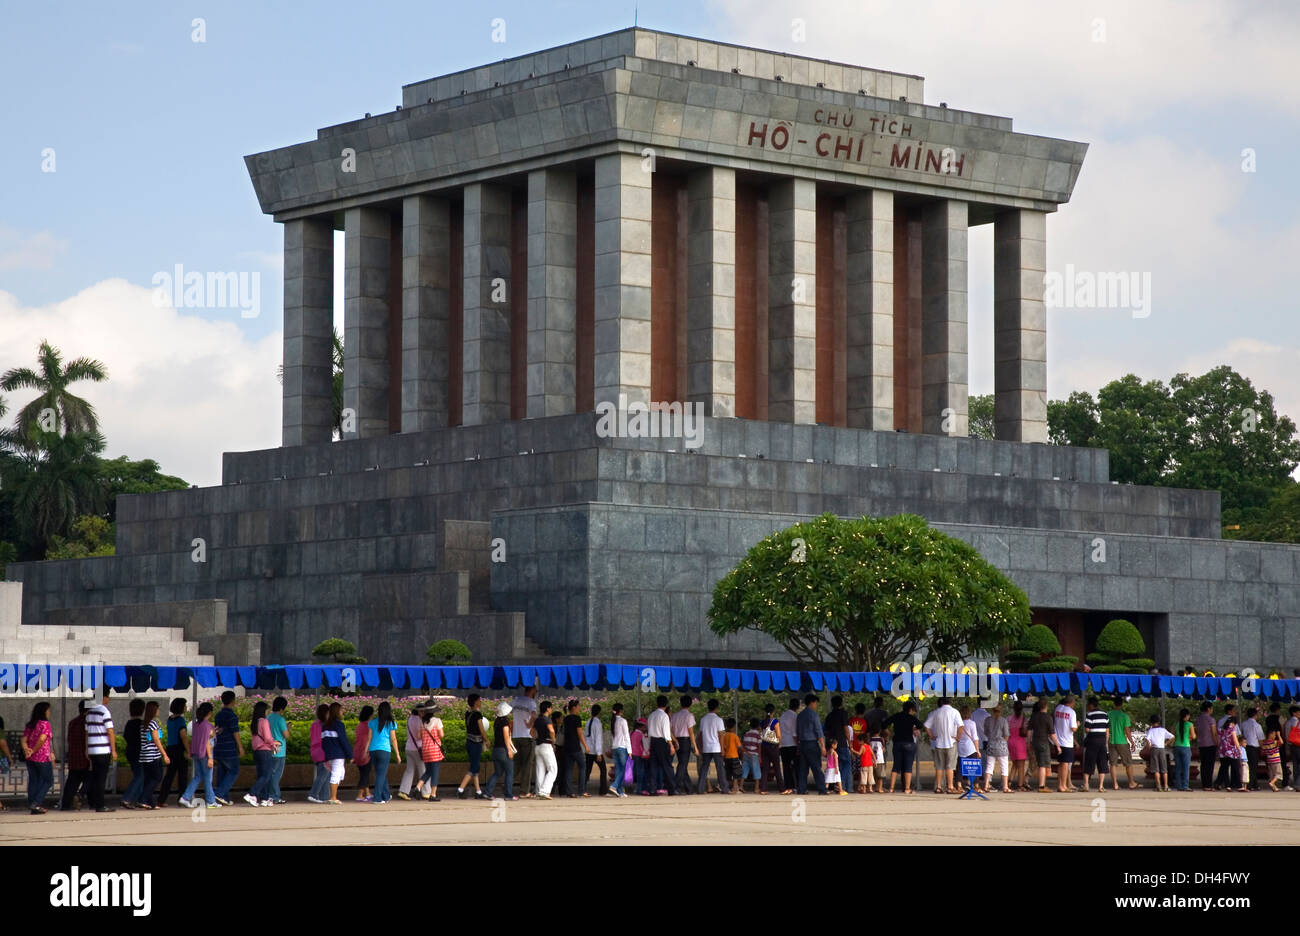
(861, 594)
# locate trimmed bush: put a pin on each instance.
(333, 646)
(1115, 668)
(1097, 659)
(1058, 664)
(448, 653)
(1121, 644)
(1023, 656)
(1040, 639)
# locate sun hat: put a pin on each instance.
(504, 709)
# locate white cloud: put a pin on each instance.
(1027, 57)
(181, 389)
(35, 251)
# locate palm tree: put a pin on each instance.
(59, 481)
(51, 379)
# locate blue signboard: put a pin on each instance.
(972, 767)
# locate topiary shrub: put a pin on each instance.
(1056, 664)
(1118, 643)
(1040, 639)
(1110, 668)
(1037, 647)
(338, 650)
(1097, 659)
(448, 653)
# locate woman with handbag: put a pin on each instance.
(431, 755)
(770, 752)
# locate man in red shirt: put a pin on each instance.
(79, 774)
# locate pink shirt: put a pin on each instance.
(317, 752)
(263, 741)
(638, 744)
(38, 739)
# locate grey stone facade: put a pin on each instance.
(607, 181)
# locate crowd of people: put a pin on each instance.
(542, 749)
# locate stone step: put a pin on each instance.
(98, 633)
(141, 652)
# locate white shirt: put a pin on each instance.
(789, 718)
(710, 727)
(942, 725)
(966, 746)
(682, 721)
(621, 737)
(979, 717)
(1252, 732)
(1158, 736)
(1065, 721)
(525, 708)
(414, 728)
(596, 736)
(657, 725)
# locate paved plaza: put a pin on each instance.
(1130, 818)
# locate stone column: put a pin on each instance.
(426, 305)
(711, 290)
(308, 396)
(552, 291)
(792, 302)
(367, 234)
(869, 328)
(486, 379)
(1020, 326)
(622, 279)
(943, 319)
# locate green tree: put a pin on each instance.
(89, 536)
(51, 379)
(980, 411)
(124, 476)
(1230, 438)
(861, 594)
(1278, 521)
(58, 480)
(338, 650)
(1073, 421)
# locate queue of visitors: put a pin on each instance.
(541, 750)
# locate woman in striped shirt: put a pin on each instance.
(152, 756)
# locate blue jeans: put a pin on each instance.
(620, 768)
(40, 779)
(262, 785)
(846, 765)
(810, 759)
(1182, 768)
(380, 760)
(501, 764)
(225, 774)
(133, 788)
(277, 771)
(750, 769)
(430, 777)
(202, 776)
(320, 783)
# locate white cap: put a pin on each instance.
(503, 710)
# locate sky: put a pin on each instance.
(126, 128)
